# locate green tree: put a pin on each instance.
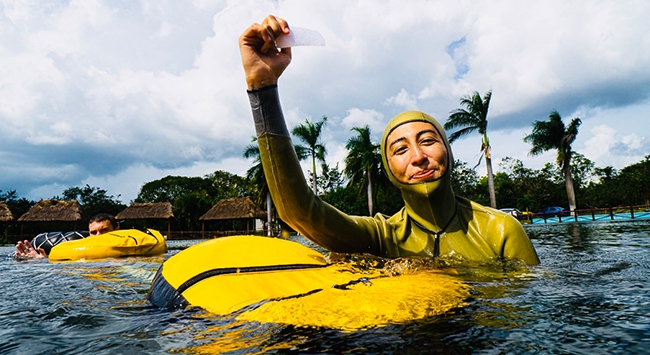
(605, 190)
(506, 190)
(169, 188)
(189, 207)
(464, 180)
(582, 170)
(363, 163)
(474, 118)
(94, 200)
(226, 185)
(526, 185)
(346, 199)
(310, 134)
(635, 183)
(17, 205)
(389, 198)
(553, 134)
(330, 178)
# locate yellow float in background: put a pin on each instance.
(274, 280)
(128, 242)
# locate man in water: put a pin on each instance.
(416, 153)
(99, 224)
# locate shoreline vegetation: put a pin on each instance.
(599, 191)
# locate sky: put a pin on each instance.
(115, 94)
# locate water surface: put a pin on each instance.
(589, 296)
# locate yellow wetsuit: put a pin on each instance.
(469, 230)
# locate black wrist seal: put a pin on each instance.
(267, 112)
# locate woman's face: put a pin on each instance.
(416, 153)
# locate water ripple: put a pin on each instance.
(589, 296)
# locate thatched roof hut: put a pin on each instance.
(5, 213)
(148, 211)
(53, 211)
(49, 211)
(158, 210)
(234, 208)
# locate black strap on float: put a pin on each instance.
(163, 295)
(48, 240)
(242, 270)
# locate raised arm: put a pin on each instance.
(295, 202)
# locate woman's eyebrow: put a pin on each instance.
(428, 131)
(400, 139)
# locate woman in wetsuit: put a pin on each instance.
(433, 223)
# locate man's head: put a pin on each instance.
(102, 223)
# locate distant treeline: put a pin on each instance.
(515, 185)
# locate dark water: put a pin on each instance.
(589, 296)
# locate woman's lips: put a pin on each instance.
(422, 175)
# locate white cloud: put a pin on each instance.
(632, 141)
(157, 86)
(602, 141)
(403, 100)
(359, 118)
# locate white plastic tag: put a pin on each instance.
(300, 37)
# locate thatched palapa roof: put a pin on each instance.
(5, 213)
(234, 208)
(53, 211)
(158, 210)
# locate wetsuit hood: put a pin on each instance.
(430, 203)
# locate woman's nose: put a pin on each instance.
(417, 156)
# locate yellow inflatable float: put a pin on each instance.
(275, 280)
(119, 243)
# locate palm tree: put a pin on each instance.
(256, 175)
(363, 162)
(309, 133)
(473, 118)
(552, 134)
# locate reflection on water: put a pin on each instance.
(589, 296)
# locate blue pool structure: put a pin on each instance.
(590, 295)
(594, 217)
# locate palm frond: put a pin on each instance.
(552, 134)
(462, 132)
(473, 117)
(302, 152)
